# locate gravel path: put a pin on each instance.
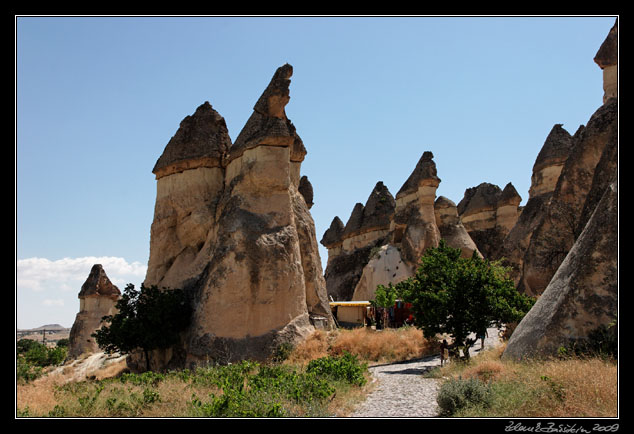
(403, 392)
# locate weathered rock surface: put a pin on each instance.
(546, 171)
(580, 224)
(97, 298)
(559, 228)
(583, 293)
(607, 58)
(488, 213)
(451, 228)
(237, 233)
(350, 246)
(383, 240)
(385, 266)
(414, 223)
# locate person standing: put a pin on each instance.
(444, 352)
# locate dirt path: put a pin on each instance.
(404, 392)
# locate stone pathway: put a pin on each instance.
(403, 392)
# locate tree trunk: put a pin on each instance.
(147, 359)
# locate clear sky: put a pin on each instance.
(98, 98)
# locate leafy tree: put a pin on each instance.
(63, 343)
(23, 345)
(384, 298)
(460, 296)
(147, 319)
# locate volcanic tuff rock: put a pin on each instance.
(488, 213)
(350, 245)
(233, 229)
(581, 224)
(607, 58)
(562, 221)
(385, 266)
(546, 171)
(97, 298)
(306, 190)
(414, 223)
(451, 228)
(384, 239)
(583, 293)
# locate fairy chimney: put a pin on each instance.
(97, 298)
(232, 227)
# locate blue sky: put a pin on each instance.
(98, 98)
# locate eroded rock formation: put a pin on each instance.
(232, 226)
(451, 228)
(414, 224)
(383, 240)
(97, 298)
(580, 292)
(562, 220)
(488, 213)
(583, 293)
(350, 246)
(546, 171)
(607, 58)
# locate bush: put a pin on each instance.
(269, 392)
(456, 394)
(346, 368)
(147, 319)
(32, 356)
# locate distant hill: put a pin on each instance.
(54, 332)
(51, 327)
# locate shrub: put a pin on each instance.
(345, 367)
(32, 356)
(147, 319)
(456, 394)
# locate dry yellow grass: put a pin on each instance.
(574, 387)
(589, 387)
(369, 345)
(314, 347)
(38, 395)
(383, 346)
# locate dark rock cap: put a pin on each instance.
(202, 139)
(443, 202)
(98, 284)
(483, 196)
(379, 208)
(509, 196)
(555, 149)
(277, 93)
(306, 190)
(354, 222)
(425, 169)
(608, 53)
(268, 124)
(333, 234)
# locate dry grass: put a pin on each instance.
(573, 387)
(389, 345)
(368, 345)
(588, 387)
(314, 347)
(39, 395)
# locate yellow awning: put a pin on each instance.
(350, 303)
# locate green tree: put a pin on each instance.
(63, 343)
(23, 345)
(459, 296)
(147, 319)
(384, 298)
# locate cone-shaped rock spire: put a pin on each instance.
(202, 140)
